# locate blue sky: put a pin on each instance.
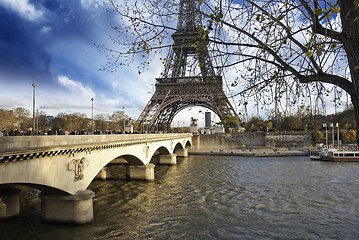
(52, 43)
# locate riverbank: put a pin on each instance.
(255, 152)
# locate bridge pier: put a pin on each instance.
(104, 173)
(182, 152)
(167, 159)
(76, 208)
(140, 172)
(9, 203)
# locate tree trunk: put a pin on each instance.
(355, 102)
(350, 39)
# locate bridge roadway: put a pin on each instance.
(62, 167)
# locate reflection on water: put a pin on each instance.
(210, 197)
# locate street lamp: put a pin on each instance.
(33, 108)
(124, 121)
(37, 121)
(337, 125)
(93, 126)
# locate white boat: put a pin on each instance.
(315, 157)
(340, 155)
(337, 155)
(318, 156)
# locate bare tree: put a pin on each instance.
(117, 119)
(75, 122)
(23, 117)
(7, 120)
(21, 112)
(297, 50)
(101, 121)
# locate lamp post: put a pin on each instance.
(37, 121)
(337, 125)
(93, 126)
(33, 108)
(124, 121)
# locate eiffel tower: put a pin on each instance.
(189, 78)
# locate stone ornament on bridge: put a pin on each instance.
(77, 166)
(146, 150)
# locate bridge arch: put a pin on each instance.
(162, 150)
(130, 159)
(178, 146)
(188, 145)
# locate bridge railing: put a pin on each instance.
(15, 143)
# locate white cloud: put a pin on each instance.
(76, 87)
(90, 3)
(114, 84)
(45, 29)
(24, 9)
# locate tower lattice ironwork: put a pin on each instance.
(189, 78)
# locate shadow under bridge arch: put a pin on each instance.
(129, 159)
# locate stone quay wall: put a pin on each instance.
(225, 141)
(289, 139)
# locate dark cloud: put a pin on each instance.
(21, 52)
(24, 44)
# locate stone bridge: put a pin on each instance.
(62, 167)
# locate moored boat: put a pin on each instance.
(315, 157)
(340, 155)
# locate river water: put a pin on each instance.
(211, 197)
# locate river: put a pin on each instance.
(211, 197)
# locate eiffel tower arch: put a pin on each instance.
(189, 78)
